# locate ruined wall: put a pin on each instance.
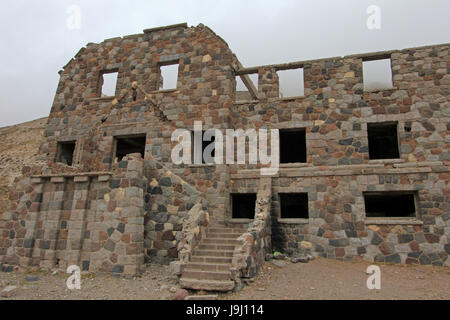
(335, 111)
(253, 246)
(98, 208)
(205, 92)
(168, 200)
(92, 220)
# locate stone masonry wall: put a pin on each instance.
(335, 112)
(94, 221)
(249, 255)
(168, 200)
(92, 213)
(205, 92)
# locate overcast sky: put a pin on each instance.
(36, 41)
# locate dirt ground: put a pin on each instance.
(330, 279)
(318, 279)
(155, 284)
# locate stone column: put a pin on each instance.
(31, 221)
(51, 223)
(268, 86)
(74, 228)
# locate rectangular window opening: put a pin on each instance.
(292, 146)
(377, 74)
(169, 76)
(291, 83)
(390, 204)
(108, 83)
(294, 206)
(243, 205)
(65, 152)
(383, 141)
(242, 90)
(130, 144)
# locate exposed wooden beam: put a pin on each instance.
(248, 83)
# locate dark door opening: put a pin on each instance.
(129, 145)
(390, 205)
(383, 142)
(65, 152)
(294, 205)
(243, 205)
(292, 146)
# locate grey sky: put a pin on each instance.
(36, 41)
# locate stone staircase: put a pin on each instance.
(209, 268)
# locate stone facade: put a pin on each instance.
(109, 215)
(93, 220)
(253, 246)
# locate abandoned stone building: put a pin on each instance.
(363, 173)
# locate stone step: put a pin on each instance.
(206, 275)
(213, 253)
(223, 235)
(211, 259)
(219, 240)
(215, 246)
(208, 266)
(207, 285)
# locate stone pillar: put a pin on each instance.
(116, 221)
(51, 223)
(133, 259)
(31, 221)
(74, 229)
(268, 86)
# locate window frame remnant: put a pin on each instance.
(62, 151)
(386, 146)
(119, 138)
(234, 204)
(101, 82)
(286, 147)
(161, 65)
(394, 201)
(367, 78)
(280, 71)
(285, 197)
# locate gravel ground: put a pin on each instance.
(331, 279)
(318, 279)
(155, 284)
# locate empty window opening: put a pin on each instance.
(291, 83)
(65, 153)
(129, 145)
(390, 204)
(383, 141)
(377, 74)
(169, 76)
(294, 205)
(243, 93)
(243, 205)
(108, 83)
(292, 146)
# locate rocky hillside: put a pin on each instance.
(18, 147)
